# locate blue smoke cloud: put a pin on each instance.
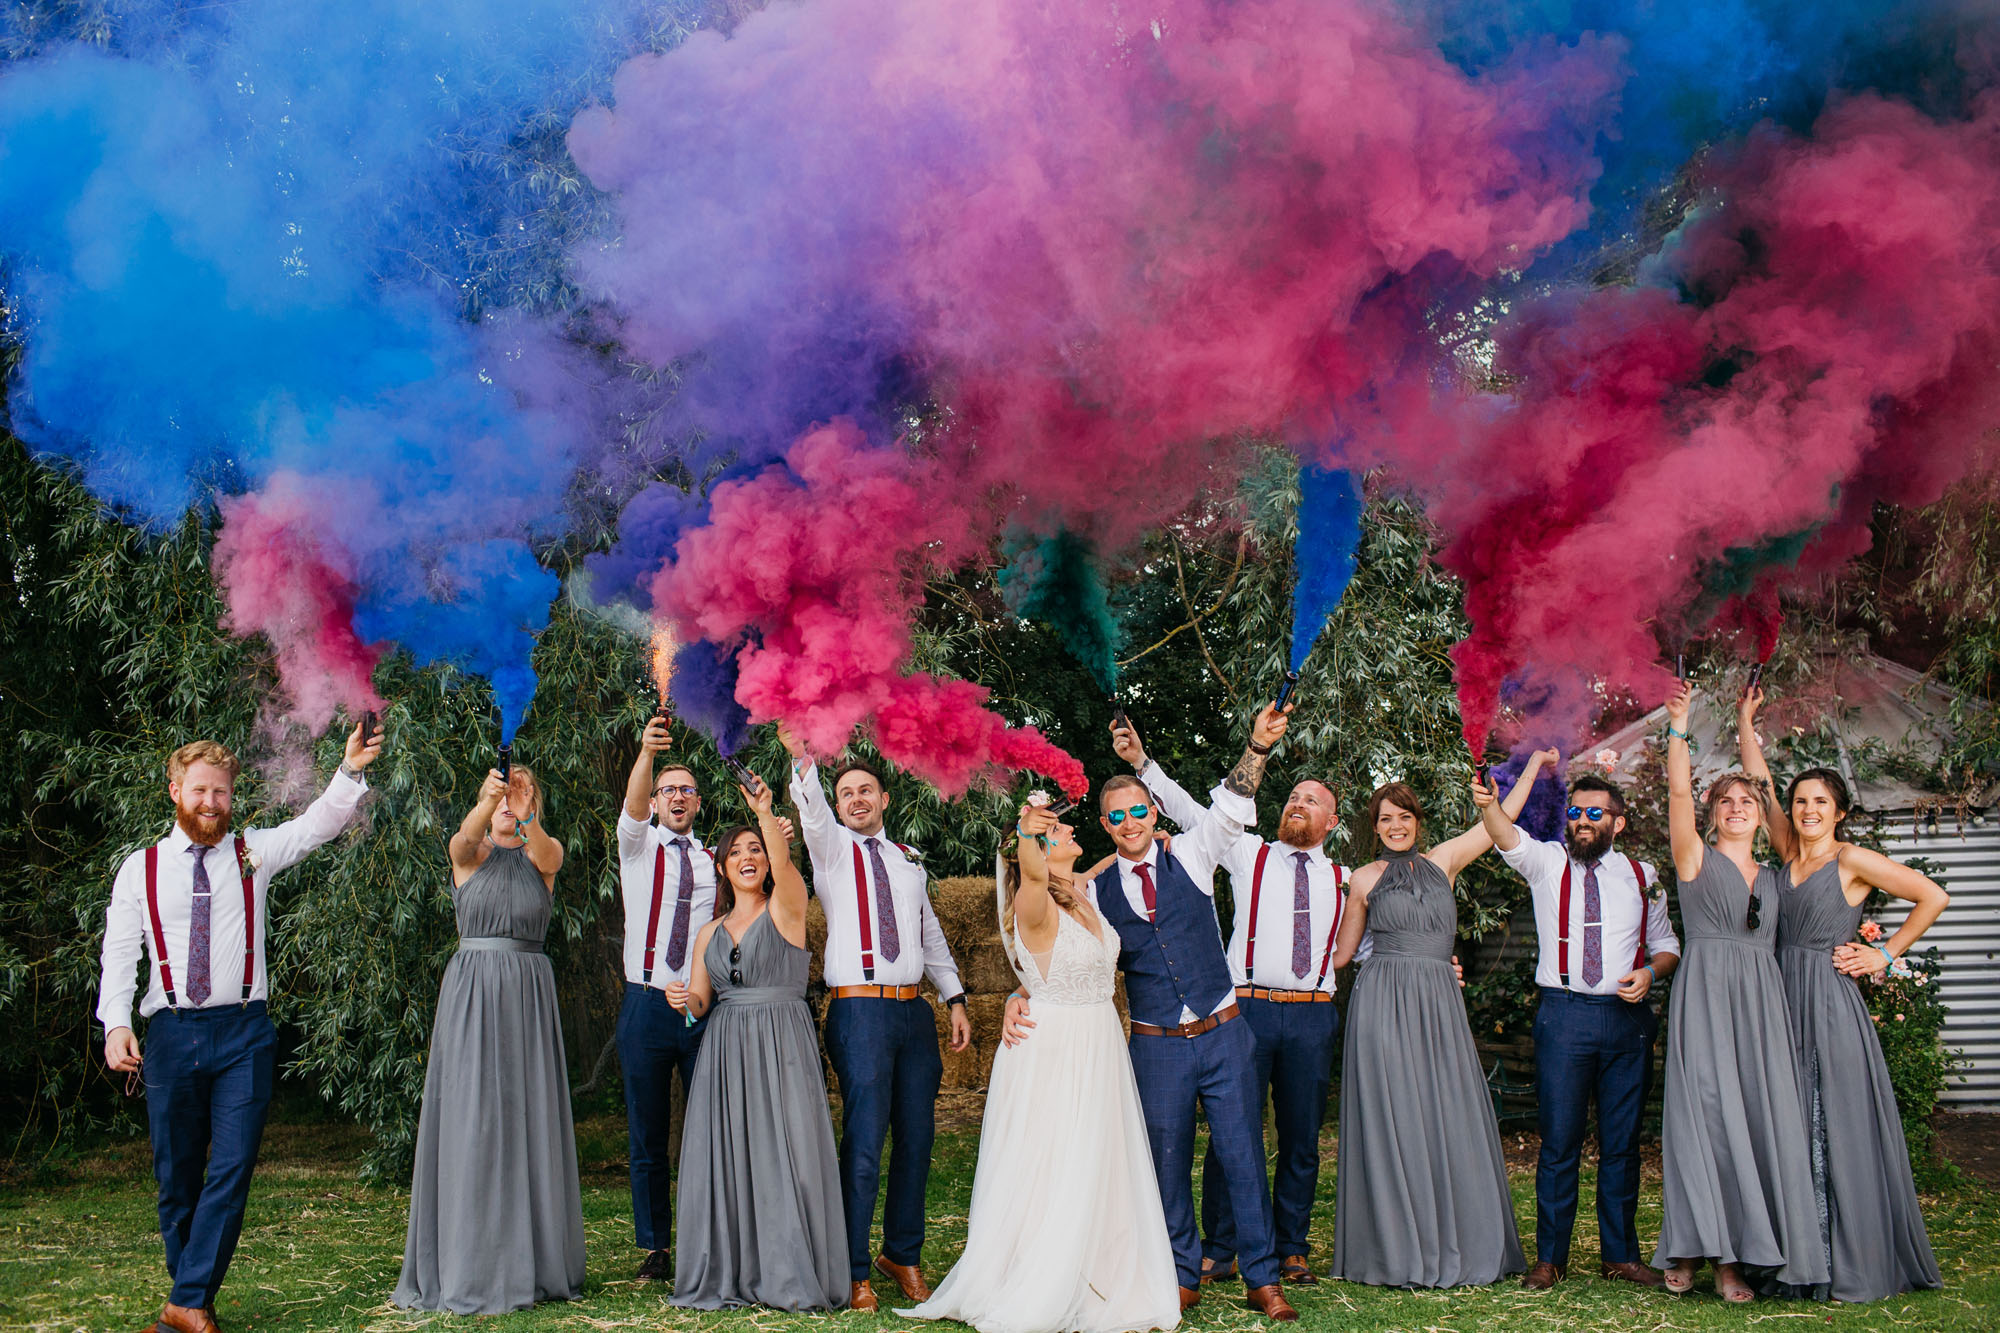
(1323, 555)
(241, 244)
(704, 694)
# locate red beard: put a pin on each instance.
(205, 829)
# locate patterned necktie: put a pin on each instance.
(677, 943)
(885, 906)
(198, 987)
(1301, 918)
(1593, 929)
(1145, 874)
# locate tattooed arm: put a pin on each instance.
(1248, 774)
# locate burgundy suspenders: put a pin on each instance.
(249, 920)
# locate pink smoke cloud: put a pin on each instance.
(283, 579)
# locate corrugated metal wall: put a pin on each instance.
(1968, 938)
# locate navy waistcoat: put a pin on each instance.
(1175, 961)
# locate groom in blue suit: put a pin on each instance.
(1187, 1044)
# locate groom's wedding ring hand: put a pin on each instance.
(1015, 1025)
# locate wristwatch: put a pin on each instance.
(958, 999)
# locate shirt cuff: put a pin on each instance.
(1232, 805)
(342, 778)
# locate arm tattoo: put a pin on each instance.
(1248, 773)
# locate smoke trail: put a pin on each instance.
(705, 695)
(1323, 554)
(236, 257)
(1056, 581)
(1110, 252)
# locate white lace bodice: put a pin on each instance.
(1082, 968)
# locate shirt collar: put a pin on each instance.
(1315, 855)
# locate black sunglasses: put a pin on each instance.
(735, 957)
(1756, 906)
(1595, 812)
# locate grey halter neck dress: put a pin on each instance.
(1867, 1202)
(496, 1218)
(1422, 1198)
(1736, 1182)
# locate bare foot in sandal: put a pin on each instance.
(1680, 1277)
(1729, 1284)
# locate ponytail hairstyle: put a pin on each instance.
(1836, 787)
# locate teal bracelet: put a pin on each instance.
(1654, 971)
(1883, 949)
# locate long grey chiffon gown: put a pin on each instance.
(1422, 1198)
(496, 1219)
(760, 1216)
(1736, 1182)
(1868, 1212)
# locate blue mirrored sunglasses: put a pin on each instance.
(1596, 812)
(1117, 817)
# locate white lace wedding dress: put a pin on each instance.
(1066, 1233)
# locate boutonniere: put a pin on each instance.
(251, 861)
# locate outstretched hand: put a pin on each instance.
(794, 747)
(359, 754)
(654, 739)
(1680, 704)
(1752, 700)
(1125, 743)
(1270, 725)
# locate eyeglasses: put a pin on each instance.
(1118, 817)
(1756, 906)
(1595, 812)
(669, 790)
(735, 957)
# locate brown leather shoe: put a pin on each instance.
(1212, 1271)
(1295, 1271)
(212, 1319)
(1543, 1276)
(180, 1319)
(1643, 1274)
(1190, 1297)
(906, 1276)
(862, 1298)
(1271, 1303)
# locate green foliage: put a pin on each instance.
(1909, 1020)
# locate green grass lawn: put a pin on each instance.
(321, 1251)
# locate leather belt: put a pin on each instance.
(874, 992)
(1194, 1029)
(1285, 996)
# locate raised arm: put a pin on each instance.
(1778, 827)
(1208, 842)
(1034, 910)
(826, 841)
(1505, 833)
(788, 886)
(639, 782)
(472, 829)
(1455, 854)
(1684, 833)
(1860, 865)
(288, 843)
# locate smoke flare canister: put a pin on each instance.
(506, 763)
(745, 777)
(1285, 690)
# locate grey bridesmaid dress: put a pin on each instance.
(1422, 1198)
(760, 1219)
(496, 1218)
(1868, 1213)
(1736, 1181)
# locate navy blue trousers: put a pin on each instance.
(654, 1042)
(208, 1075)
(1590, 1047)
(885, 1057)
(1294, 1065)
(1219, 1070)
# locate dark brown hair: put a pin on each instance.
(725, 889)
(859, 766)
(1614, 798)
(1836, 787)
(1401, 795)
(1119, 783)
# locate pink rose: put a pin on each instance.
(1871, 931)
(1901, 1017)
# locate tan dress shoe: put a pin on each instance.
(1190, 1297)
(1643, 1274)
(1542, 1276)
(1271, 1303)
(862, 1298)
(906, 1276)
(1212, 1271)
(1295, 1271)
(181, 1319)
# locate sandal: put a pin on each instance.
(1680, 1277)
(1729, 1285)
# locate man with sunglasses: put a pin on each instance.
(1605, 942)
(667, 879)
(882, 940)
(1186, 1047)
(1288, 900)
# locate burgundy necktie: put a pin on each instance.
(197, 987)
(1302, 953)
(1145, 874)
(1593, 929)
(885, 906)
(677, 943)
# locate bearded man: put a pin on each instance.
(1605, 942)
(194, 903)
(1289, 897)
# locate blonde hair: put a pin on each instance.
(534, 784)
(1058, 894)
(202, 752)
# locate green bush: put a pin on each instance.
(1909, 1019)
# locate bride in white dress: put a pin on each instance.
(1066, 1233)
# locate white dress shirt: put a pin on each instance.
(1619, 902)
(128, 927)
(637, 841)
(922, 948)
(1324, 901)
(1200, 848)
